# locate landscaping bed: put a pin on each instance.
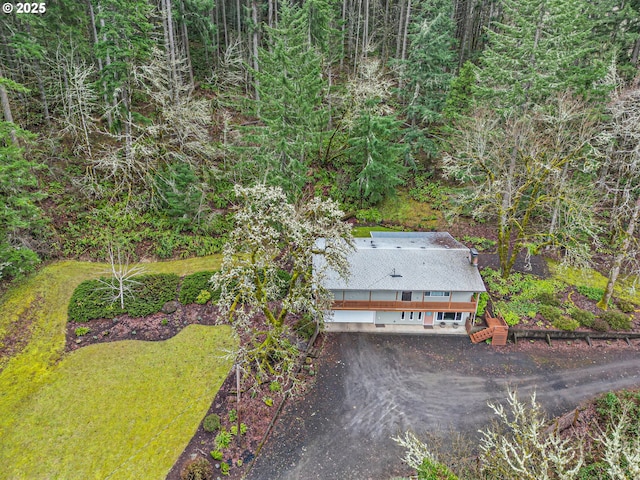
(538, 300)
(257, 407)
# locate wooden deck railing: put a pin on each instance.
(404, 306)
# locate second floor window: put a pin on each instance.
(437, 294)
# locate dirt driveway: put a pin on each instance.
(372, 387)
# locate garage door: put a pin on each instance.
(347, 316)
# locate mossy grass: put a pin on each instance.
(409, 212)
(591, 278)
(364, 232)
(118, 410)
(36, 308)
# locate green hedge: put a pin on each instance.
(93, 299)
(194, 284)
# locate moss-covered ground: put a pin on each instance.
(589, 277)
(107, 409)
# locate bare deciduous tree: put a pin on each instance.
(621, 179)
(121, 282)
(517, 174)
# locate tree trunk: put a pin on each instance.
(94, 31)
(365, 32)
(406, 30)
(185, 39)
(254, 18)
(400, 24)
(6, 109)
(172, 50)
(620, 256)
(239, 18)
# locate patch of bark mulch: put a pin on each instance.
(159, 326)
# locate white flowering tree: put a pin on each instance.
(267, 269)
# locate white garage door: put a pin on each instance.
(349, 316)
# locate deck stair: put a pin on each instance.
(497, 330)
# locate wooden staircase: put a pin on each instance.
(497, 330)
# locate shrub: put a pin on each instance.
(625, 306)
(203, 297)
(617, 320)
(511, 318)
(432, 470)
(547, 298)
(216, 455)
(284, 278)
(268, 401)
(211, 423)
(81, 331)
(194, 284)
(305, 327)
(600, 325)
(233, 430)
(197, 469)
(224, 468)
(243, 428)
(583, 317)
(151, 294)
(480, 243)
(233, 415)
(550, 313)
(275, 386)
(223, 439)
(566, 323)
(16, 262)
(592, 293)
(483, 299)
(91, 300)
(370, 215)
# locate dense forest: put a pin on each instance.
(128, 123)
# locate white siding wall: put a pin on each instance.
(380, 295)
(356, 295)
(461, 296)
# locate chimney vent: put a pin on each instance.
(473, 257)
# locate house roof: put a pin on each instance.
(430, 261)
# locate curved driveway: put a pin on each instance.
(373, 387)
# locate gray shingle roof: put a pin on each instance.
(430, 261)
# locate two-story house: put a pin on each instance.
(417, 280)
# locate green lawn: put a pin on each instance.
(64, 420)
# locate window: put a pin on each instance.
(451, 316)
(411, 316)
(437, 294)
(406, 296)
(419, 315)
(402, 316)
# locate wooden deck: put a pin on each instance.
(401, 306)
(497, 330)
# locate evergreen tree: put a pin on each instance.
(290, 106)
(540, 48)
(427, 72)
(19, 215)
(375, 156)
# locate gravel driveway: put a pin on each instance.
(372, 387)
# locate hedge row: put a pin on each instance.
(95, 298)
(193, 285)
